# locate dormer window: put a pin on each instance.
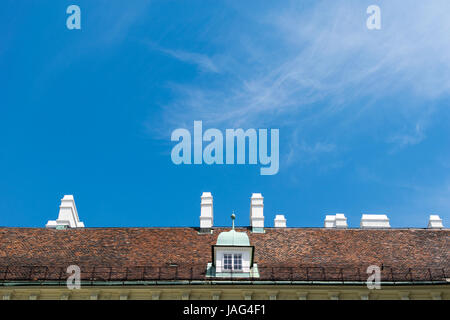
(232, 256)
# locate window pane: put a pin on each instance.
(227, 263)
(238, 262)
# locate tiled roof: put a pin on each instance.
(281, 254)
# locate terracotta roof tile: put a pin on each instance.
(288, 253)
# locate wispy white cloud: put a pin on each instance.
(402, 140)
(204, 62)
(301, 151)
(327, 71)
(113, 21)
(328, 53)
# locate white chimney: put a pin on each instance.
(206, 212)
(336, 221)
(280, 221)
(374, 221)
(68, 215)
(341, 221)
(435, 222)
(257, 213)
(330, 221)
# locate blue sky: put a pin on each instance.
(363, 114)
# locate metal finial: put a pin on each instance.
(233, 216)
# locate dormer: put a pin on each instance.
(232, 256)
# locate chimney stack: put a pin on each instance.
(280, 221)
(374, 221)
(338, 221)
(435, 222)
(341, 221)
(68, 215)
(257, 213)
(206, 212)
(330, 221)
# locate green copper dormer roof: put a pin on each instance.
(232, 237)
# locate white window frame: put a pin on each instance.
(226, 257)
(234, 261)
(233, 258)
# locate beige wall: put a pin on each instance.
(224, 292)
